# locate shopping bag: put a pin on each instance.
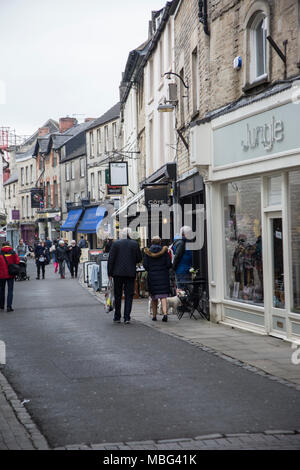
(109, 297)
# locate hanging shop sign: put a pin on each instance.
(118, 174)
(156, 196)
(15, 214)
(37, 198)
(114, 190)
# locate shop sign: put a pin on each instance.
(270, 132)
(265, 135)
(37, 198)
(156, 196)
(113, 190)
(15, 214)
(118, 173)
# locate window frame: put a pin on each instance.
(256, 11)
(258, 18)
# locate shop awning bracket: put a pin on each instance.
(283, 56)
(183, 139)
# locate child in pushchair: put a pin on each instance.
(22, 276)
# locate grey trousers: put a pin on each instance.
(62, 267)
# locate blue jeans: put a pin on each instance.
(181, 278)
(10, 290)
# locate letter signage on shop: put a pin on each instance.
(266, 135)
(274, 131)
(156, 196)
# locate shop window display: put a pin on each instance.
(294, 198)
(243, 241)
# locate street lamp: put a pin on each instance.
(169, 105)
(166, 107)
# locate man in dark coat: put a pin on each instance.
(41, 258)
(74, 257)
(62, 257)
(123, 257)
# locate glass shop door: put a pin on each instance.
(276, 278)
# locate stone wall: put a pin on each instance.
(219, 83)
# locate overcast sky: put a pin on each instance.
(65, 57)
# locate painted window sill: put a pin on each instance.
(264, 80)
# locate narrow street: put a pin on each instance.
(91, 381)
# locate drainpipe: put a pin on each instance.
(203, 15)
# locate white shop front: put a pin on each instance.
(253, 194)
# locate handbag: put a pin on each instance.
(42, 259)
(13, 269)
(110, 297)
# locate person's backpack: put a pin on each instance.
(13, 269)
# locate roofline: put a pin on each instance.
(104, 122)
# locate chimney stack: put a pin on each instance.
(43, 131)
(89, 119)
(66, 123)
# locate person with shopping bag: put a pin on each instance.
(109, 296)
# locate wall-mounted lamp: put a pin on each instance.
(165, 108)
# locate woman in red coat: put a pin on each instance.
(7, 256)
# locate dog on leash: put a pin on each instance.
(172, 304)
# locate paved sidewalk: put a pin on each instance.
(17, 430)
(259, 353)
(281, 440)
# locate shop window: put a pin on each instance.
(243, 241)
(294, 198)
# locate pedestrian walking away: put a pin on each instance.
(122, 260)
(183, 258)
(61, 257)
(157, 262)
(48, 246)
(68, 263)
(108, 244)
(7, 257)
(74, 253)
(82, 243)
(41, 259)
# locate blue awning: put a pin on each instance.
(72, 219)
(91, 220)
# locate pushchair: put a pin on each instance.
(22, 276)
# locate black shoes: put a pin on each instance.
(10, 309)
(165, 318)
(127, 322)
(117, 321)
(154, 319)
(37, 278)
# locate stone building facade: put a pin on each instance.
(102, 143)
(244, 149)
